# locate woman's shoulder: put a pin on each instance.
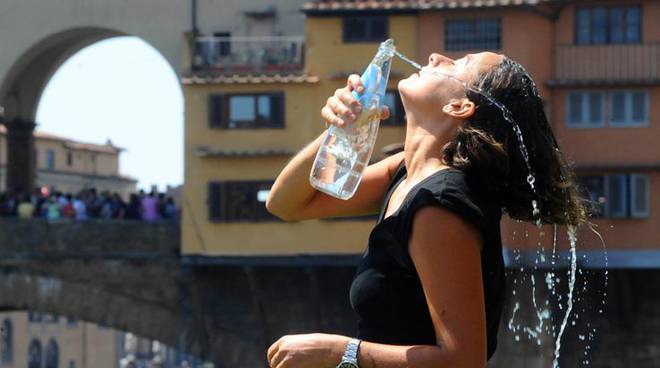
(454, 190)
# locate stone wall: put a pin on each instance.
(129, 275)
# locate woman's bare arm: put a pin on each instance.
(446, 253)
(292, 197)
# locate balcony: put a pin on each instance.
(248, 55)
(607, 64)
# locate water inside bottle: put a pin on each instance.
(344, 154)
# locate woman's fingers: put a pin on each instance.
(354, 83)
(330, 117)
(348, 100)
(339, 107)
(384, 113)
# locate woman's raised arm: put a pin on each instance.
(292, 198)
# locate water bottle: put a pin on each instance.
(345, 152)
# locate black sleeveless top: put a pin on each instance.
(386, 292)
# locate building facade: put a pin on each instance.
(69, 166)
(36, 341)
(595, 63)
(242, 128)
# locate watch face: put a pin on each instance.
(347, 365)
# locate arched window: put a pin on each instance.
(6, 342)
(34, 354)
(72, 364)
(52, 354)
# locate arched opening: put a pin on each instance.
(118, 92)
(6, 342)
(34, 354)
(52, 354)
(22, 90)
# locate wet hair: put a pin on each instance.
(486, 147)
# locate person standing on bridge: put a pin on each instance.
(429, 289)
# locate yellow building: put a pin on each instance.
(243, 124)
(69, 166)
(34, 340)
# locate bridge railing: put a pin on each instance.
(237, 55)
(41, 239)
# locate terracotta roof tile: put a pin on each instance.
(249, 79)
(323, 6)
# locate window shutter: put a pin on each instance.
(277, 110)
(639, 196)
(218, 111)
(216, 201)
(617, 196)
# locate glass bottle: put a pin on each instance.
(345, 152)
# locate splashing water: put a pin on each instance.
(572, 236)
(551, 279)
(531, 179)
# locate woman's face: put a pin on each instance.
(442, 79)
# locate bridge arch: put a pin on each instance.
(24, 81)
(22, 87)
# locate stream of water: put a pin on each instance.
(551, 280)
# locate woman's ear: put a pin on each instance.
(461, 108)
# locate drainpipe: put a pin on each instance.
(194, 30)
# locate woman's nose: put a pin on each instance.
(437, 59)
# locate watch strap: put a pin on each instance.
(351, 353)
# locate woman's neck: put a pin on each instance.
(423, 148)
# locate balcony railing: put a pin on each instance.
(245, 55)
(608, 64)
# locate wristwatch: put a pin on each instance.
(350, 358)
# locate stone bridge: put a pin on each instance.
(130, 276)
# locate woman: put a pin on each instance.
(430, 288)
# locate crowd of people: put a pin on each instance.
(88, 204)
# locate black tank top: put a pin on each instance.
(386, 292)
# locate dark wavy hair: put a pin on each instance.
(486, 148)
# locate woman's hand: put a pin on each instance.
(307, 351)
(342, 108)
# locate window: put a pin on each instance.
(607, 25)
(628, 108)
(6, 342)
(397, 114)
(618, 195)
(586, 109)
(34, 317)
(71, 322)
(50, 159)
(34, 354)
(595, 191)
(239, 201)
(365, 29)
(52, 354)
(473, 34)
(639, 196)
(246, 111)
(224, 43)
(69, 158)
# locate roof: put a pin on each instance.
(249, 79)
(72, 144)
(204, 151)
(330, 6)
